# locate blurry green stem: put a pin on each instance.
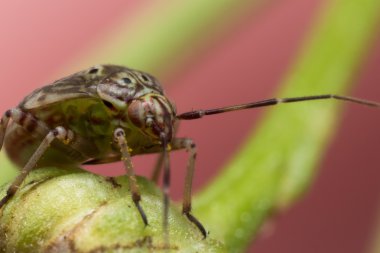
(263, 178)
(167, 33)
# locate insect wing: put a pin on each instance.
(75, 86)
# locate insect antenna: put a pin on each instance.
(273, 101)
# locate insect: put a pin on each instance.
(104, 114)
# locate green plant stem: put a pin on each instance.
(278, 161)
(168, 32)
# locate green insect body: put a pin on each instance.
(109, 113)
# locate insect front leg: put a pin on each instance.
(189, 145)
(59, 133)
(121, 140)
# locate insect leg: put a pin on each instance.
(59, 133)
(119, 135)
(160, 160)
(166, 186)
(26, 120)
(189, 145)
(157, 168)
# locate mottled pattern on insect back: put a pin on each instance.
(91, 103)
(109, 113)
(83, 84)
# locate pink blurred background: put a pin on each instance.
(338, 214)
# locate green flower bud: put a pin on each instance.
(58, 210)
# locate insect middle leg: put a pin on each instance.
(21, 118)
(189, 145)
